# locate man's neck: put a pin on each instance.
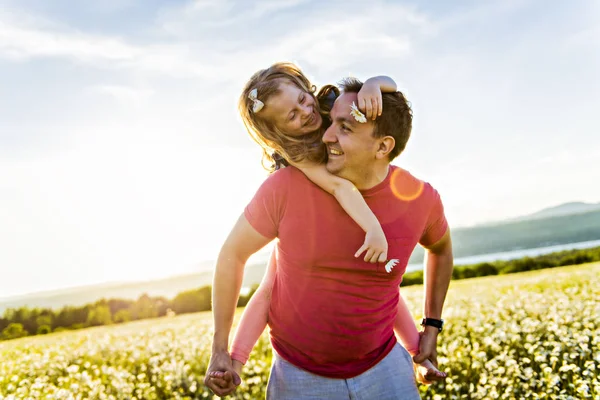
(373, 178)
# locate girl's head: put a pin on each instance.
(281, 112)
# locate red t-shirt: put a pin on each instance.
(332, 314)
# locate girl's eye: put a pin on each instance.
(302, 98)
(292, 116)
(345, 128)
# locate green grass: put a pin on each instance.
(526, 335)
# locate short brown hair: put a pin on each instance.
(395, 120)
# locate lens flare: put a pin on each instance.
(405, 186)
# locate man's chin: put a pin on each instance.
(332, 168)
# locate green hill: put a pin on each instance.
(527, 234)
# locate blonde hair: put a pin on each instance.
(265, 133)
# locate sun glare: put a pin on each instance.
(405, 186)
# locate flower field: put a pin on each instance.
(531, 335)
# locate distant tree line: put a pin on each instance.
(26, 321)
(558, 259)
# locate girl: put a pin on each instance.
(282, 114)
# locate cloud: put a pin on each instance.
(329, 36)
(192, 41)
(37, 38)
(124, 95)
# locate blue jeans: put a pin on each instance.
(392, 378)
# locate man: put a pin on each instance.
(331, 315)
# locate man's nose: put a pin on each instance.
(329, 135)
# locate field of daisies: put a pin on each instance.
(531, 335)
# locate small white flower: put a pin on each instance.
(358, 115)
(391, 264)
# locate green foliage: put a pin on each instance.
(533, 335)
(99, 315)
(412, 278)
(13, 331)
(44, 329)
(558, 259)
(192, 300)
(122, 316)
(102, 312)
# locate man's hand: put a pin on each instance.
(220, 375)
(427, 346)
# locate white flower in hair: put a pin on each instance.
(357, 114)
(257, 105)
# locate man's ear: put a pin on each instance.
(386, 145)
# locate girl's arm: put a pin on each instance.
(354, 204)
(254, 317)
(369, 97)
(385, 83)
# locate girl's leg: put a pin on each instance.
(254, 317)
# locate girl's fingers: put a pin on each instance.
(361, 250)
(375, 109)
(369, 109)
(361, 103)
(375, 257)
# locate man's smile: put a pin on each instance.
(335, 152)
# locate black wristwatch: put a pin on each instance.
(438, 323)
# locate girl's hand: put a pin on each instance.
(369, 99)
(375, 245)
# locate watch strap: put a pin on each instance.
(437, 323)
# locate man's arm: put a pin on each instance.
(438, 272)
(242, 242)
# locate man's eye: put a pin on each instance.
(302, 99)
(292, 116)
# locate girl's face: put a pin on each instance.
(293, 111)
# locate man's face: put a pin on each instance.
(294, 111)
(351, 145)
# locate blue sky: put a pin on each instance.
(122, 156)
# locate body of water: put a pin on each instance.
(514, 254)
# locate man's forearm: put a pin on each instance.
(438, 272)
(227, 283)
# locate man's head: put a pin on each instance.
(360, 151)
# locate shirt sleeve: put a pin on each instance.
(436, 225)
(265, 210)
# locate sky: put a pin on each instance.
(122, 156)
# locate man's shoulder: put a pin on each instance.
(408, 187)
(283, 177)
